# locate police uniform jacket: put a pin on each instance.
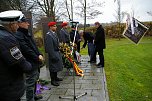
(100, 38)
(28, 47)
(52, 48)
(12, 67)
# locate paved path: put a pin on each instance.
(93, 82)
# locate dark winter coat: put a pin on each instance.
(88, 38)
(77, 38)
(52, 48)
(28, 47)
(12, 67)
(64, 36)
(100, 38)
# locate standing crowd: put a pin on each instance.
(20, 59)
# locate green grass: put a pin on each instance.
(129, 70)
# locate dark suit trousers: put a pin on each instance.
(78, 47)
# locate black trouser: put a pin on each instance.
(78, 47)
(31, 80)
(101, 56)
(53, 76)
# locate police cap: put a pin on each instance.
(23, 19)
(10, 16)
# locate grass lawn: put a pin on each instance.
(129, 70)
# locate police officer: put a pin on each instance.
(12, 62)
(32, 54)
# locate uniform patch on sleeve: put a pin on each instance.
(16, 53)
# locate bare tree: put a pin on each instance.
(88, 10)
(71, 9)
(23, 5)
(55, 9)
(67, 8)
(85, 14)
(119, 17)
(47, 6)
(4, 6)
(149, 13)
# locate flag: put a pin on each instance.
(135, 30)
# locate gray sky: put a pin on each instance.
(140, 8)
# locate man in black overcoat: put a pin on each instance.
(99, 42)
(77, 37)
(32, 54)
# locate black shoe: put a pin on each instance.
(59, 79)
(37, 97)
(99, 64)
(54, 83)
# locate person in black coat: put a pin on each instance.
(77, 38)
(12, 63)
(64, 35)
(32, 54)
(99, 42)
(54, 55)
(88, 39)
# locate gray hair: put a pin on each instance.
(80, 31)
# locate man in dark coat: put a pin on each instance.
(88, 39)
(12, 62)
(64, 35)
(77, 38)
(99, 42)
(32, 54)
(55, 58)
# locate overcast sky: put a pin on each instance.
(140, 8)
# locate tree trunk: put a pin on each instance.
(84, 15)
